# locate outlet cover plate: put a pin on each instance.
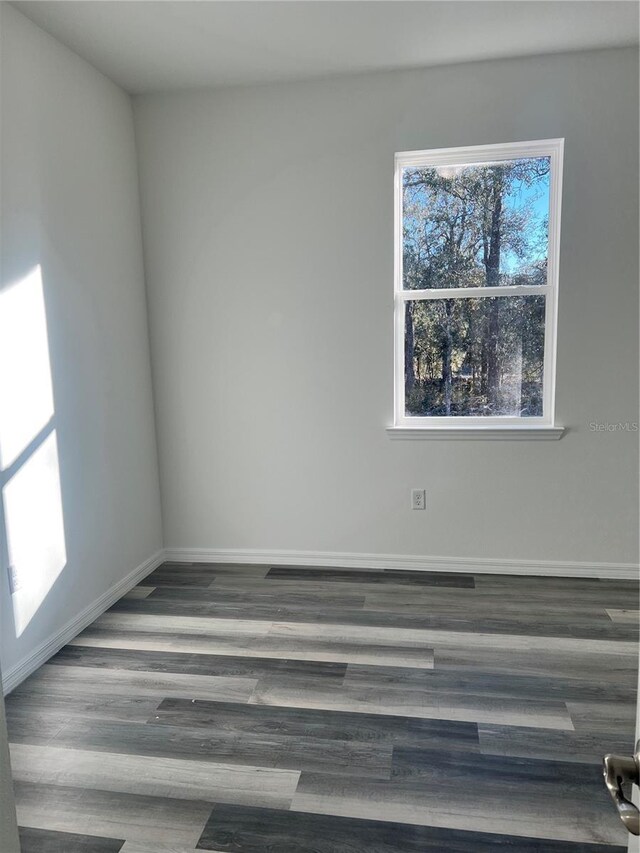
(418, 499)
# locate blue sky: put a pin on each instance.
(536, 195)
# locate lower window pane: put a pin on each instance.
(474, 357)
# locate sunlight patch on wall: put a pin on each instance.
(30, 471)
(26, 395)
(35, 530)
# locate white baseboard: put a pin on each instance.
(12, 677)
(346, 559)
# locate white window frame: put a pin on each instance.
(495, 426)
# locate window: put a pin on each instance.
(476, 276)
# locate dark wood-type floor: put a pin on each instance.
(284, 710)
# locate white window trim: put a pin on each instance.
(478, 427)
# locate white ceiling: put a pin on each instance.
(160, 45)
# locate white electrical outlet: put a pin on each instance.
(418, 500)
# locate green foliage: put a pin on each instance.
(520, 352)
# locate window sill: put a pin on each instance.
(478, 433)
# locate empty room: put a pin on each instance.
(319, 458)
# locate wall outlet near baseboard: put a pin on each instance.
(418, 500)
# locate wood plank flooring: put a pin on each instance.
(257, 709)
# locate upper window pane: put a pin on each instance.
(479, 225)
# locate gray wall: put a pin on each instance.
(267, 218)
(70, 203)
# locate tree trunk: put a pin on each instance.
(409, 366)
(492, 246)
(493, 367)
(447, 352)
(483, 360)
